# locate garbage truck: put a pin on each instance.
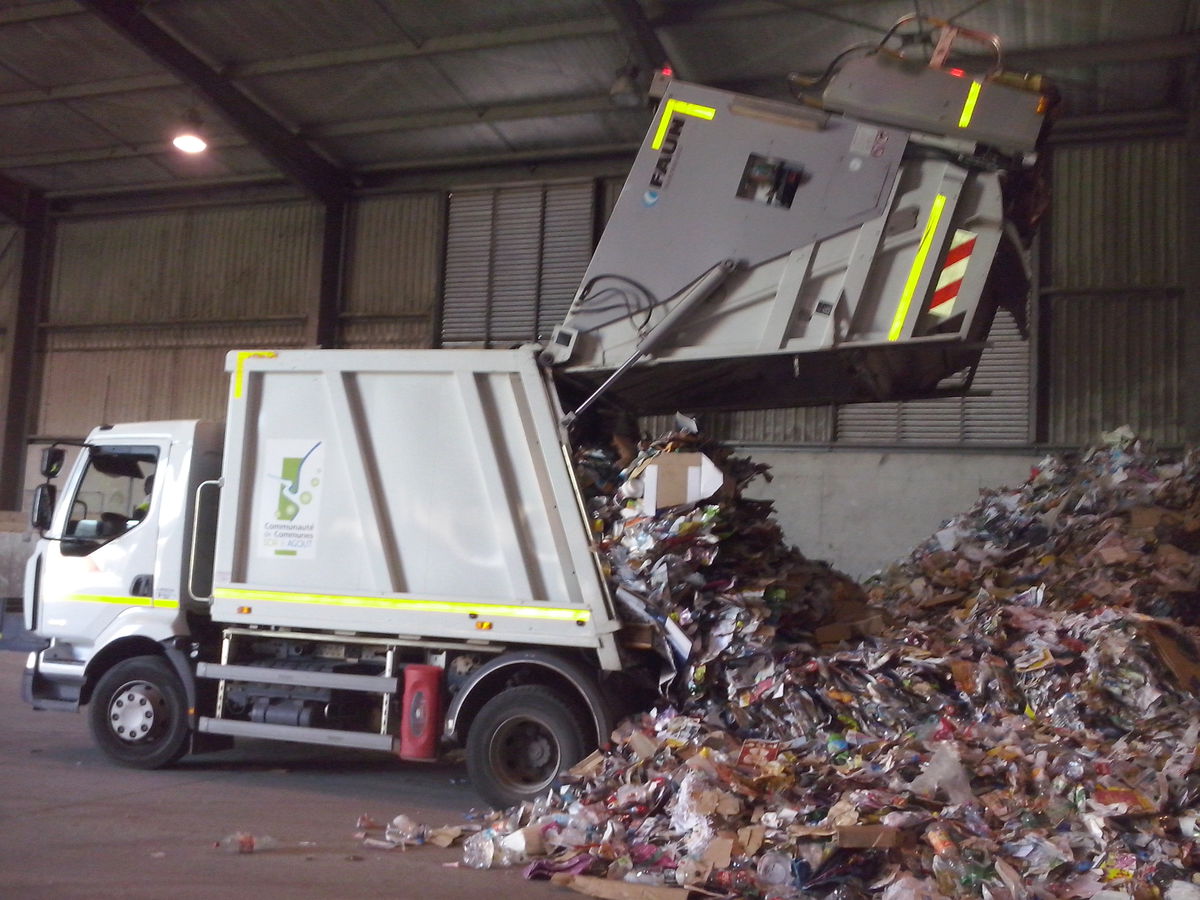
(388, 549)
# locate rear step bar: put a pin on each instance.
(379, 684)
(301, 735)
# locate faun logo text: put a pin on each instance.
(662, 165)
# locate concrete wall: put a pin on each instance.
(862, 509)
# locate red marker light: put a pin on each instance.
(667, 72)
(957, 73)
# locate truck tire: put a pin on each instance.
(521, 741)
(138, 713)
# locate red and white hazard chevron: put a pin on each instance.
(953, 269)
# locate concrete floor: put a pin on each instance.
(72, 825)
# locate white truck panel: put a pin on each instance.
(404, 492)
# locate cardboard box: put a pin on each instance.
(1177, 652)
(671, 479)
(882, 836)
(637, 636)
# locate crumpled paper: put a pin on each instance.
(1008, 712)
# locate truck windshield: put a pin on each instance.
(114, 494)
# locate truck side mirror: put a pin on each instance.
(52, 461)
(44, 496)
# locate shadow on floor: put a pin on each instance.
(13, 635)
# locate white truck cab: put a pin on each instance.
(113, 560)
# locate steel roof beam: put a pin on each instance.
(292, 156)
(697, 11)
(100, 154)
(435, 46)
(1189, 333)
(639, 32)
(459, 115)
(467, 115)
(18, 368)
(321, 324)
(100, 88)
(1112, 52)
(1104, 53)
(38, 11)
(823, 12)
(19, 202)
(1109, 52)
(460, 43)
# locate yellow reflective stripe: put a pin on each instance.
(107, 598)
(408, 604)
(914, 274)
(239, 369)
(124, 600)
(684, 109)
(969, 107)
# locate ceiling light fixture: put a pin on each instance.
(190, 138)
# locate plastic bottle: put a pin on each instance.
(774, 869)
(515, 849)
(244, 842)
(404, 830)
(644, 876)
(948, 867)
(479, 850)
(648, 875)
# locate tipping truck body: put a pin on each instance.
(389, 550)
(769, 254)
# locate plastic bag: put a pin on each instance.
(944, 773)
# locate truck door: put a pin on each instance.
(101, 558)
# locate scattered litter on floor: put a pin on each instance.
(244, 842)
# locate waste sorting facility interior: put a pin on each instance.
(387, 174)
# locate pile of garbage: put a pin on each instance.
(1009, 712)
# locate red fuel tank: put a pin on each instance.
(421, 725)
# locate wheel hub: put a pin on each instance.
(525, 752)
(134, 711)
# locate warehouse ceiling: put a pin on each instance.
(331, 96)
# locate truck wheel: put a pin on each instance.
(522, 739)
(138, 713)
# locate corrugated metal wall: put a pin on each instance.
(774, 427)
(393, 270)
(514, 259)
(1117, 361)
(134, 374)
(995, 413)
(610, 190)
(1114, 303)
(10, 267)
(196, 264)
(810, 425)
(142, 308)
(1116, 214)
